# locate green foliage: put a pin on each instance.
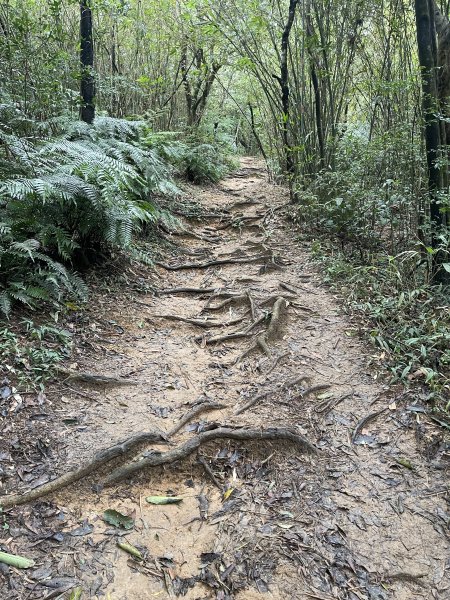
(31, 353)
(203, 163)
(407, 321)
(367, 199)
(196, 158)
(71, 200)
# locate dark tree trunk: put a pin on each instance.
(284, 85)
(87, 111)
(255, 133)
(426, 42)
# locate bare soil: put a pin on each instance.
(365, 518)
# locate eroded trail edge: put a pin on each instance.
(237, 384)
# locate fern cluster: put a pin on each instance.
(66, 200)
(197, 160)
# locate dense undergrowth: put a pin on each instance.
(367, 229)
(72, 196)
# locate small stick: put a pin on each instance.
(209, 471)
(364, 422)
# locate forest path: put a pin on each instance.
(364, 519)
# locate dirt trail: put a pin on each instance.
(364, 519)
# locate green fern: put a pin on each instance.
(91, 189)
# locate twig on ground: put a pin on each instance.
(363, 422)
(201, 459)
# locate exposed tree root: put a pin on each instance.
(94, 378)
(233, 336)
(244, 202)
(104, 456)
(193, 290)
(273, 330)
(100, 458)
(198, 322)
(186, 290)
(198, 409)
(260, 397)
(211, 263)
(232, 300)
(239, 221)
(288, 287)
(273, 298)
(186, 449)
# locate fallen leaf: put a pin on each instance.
(164, 499)
(117, 519)
(285, 525)
(228, 493)
(130, 550)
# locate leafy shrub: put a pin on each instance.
(30, 276)
(406, 319)
(204, 163)
(199, 161)
(31, 353)
(366, 199)
(69, 199)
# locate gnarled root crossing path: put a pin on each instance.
(246, 391)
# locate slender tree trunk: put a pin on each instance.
(284, 85)
(426, 42)
(87, 110)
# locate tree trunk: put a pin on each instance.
(284, 85)
(426, 42)
(87, 90)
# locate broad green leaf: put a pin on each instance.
(117, 519)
